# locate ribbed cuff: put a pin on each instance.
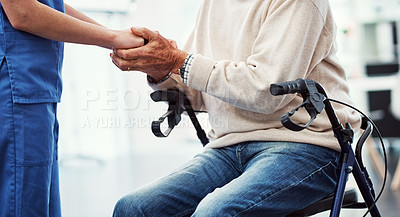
(185, 69)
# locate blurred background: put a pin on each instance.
(107, 149)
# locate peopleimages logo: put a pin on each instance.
(114, 99)
(115, 108)
(136, 99)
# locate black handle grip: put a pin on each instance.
(161, 95)
(297, 86)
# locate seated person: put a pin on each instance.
(253, 166)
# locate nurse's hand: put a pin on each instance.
(126, 39)
(156, 58)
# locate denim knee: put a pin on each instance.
(126, 207)
(211, 207)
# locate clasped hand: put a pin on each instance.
(157, 57)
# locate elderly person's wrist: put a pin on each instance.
(158, 80)
(180, 57)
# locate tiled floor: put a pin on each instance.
(90, 188)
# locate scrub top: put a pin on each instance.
(34, 63)
(30, 87)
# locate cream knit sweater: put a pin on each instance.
(243, 46)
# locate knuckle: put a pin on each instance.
(123, 54)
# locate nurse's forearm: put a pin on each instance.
(38, 19)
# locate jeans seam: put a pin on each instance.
(239, 157)
(288, 187)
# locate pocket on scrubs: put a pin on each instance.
(36, 164)
(36, 132)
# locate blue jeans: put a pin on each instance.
(246, 179)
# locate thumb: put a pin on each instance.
(143, 32)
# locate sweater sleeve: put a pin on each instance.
(288, 46)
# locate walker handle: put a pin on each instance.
(297, 86)
(313, 101)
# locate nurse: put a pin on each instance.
(32, 33)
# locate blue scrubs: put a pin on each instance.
(30, 88)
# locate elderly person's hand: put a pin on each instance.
(157, 57)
